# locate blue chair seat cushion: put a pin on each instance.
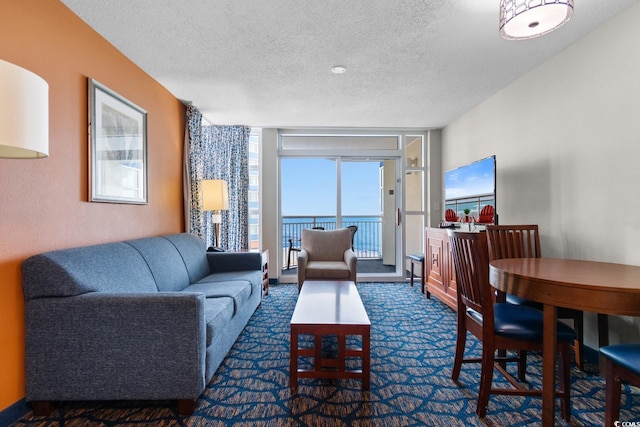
(522, 322)
(416, 257)
(512, 299)
(625, 355)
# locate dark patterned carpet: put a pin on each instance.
(412, 342)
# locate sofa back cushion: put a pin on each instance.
(193, 253)
(110, 267)
(165, 262)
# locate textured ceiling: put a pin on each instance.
(410, 63)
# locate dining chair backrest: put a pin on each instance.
(471, 263)
(513, 241)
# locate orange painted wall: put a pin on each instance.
(44, 203)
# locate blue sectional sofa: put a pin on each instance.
(145, 319)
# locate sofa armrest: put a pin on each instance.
(101, 346)
(220, 262)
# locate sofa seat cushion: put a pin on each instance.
(250, 276)
(217, 313)
(238, 290)
(334, 270)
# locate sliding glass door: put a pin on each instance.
(339, 192)
(334, 181)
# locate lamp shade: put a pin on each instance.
(526, 19)
(215, 195)
(24, 113)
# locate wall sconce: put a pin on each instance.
(526, 19)
(24, 113)
(215, 197)
(412, 162)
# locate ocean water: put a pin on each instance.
(367, 239)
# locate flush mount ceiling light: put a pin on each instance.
(338, 69)
(526, 19)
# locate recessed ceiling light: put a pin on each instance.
(338, 69)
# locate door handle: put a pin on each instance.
(398, 216)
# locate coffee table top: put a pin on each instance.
(329, 303)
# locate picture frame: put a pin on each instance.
(117, 148)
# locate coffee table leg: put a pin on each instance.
(293, 355)
(366, 360)
(317, 362)
(342, 350)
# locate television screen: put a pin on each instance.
(471, 187)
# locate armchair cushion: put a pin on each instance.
(320, 270)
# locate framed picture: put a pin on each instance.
(117, 148)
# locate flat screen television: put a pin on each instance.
(472, 187)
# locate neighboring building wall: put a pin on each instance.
(44, 203)
(567, 142)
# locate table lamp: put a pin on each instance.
(24, 113)
(215, 196)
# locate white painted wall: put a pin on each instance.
(567, 141)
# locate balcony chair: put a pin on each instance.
(295, 249)
(621, 365)
(486, 215)
(450, 216)
(499, 326)
(326, 255)
(354, 230)
(523, 241)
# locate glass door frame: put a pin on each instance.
(398, 155)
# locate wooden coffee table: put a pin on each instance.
(330, 308)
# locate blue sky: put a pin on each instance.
(470, 180)
(309, 187)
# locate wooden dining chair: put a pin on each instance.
(621, 366)
(523, 241)
(499, 326)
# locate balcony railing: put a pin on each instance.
(474, 204)
(367, 242)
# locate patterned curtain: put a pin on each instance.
(217, 152)
(230, 161)
(194, 173)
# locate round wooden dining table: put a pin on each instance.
(598, 287)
